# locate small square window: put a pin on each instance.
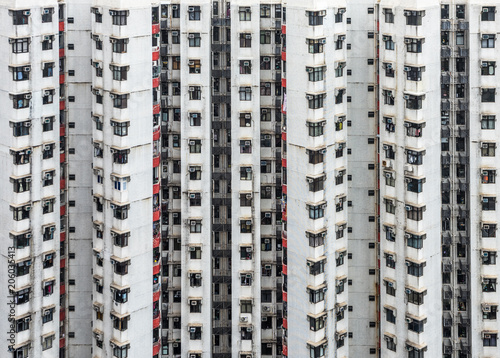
(72, 177)
(371, 298)
(371, 140)
(348, 20)
(370, 61)
(371, 219)
(371, 114)
(371, 35)
(348, 46)
(370, 10)
(349, 72)
(71, 46)
(371, 245)
(371, 166)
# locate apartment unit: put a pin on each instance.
(249, 178)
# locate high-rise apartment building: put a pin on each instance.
(249, 178)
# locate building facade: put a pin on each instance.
(249, 178)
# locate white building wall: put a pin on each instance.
(35, 142)
(299, 197)
(430, 282)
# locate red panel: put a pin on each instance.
(156, 188)
(156, 82)
(284, 189)
(285, 350)
(156, 215)
(284, 241)
(283, 29)
(156, 296)
(156, 133)
(62, 158)
(283, 162)
(62, 131)
(62, 184)
(61, 52)
(156, 55)
(283, 82)
(62, 263)
(285, 269)
(63, 210)
(283, 56)
(62, 237)
(156, 242)
(156, 322)
(62, 314)
(283, 135)
(156, 349)
(62, 342)
(156, 162)
(156, 269)
(61, 25)
(285, 323)
(156, 108)
(285, 296)
(62, 105)
(283, 216)
(61, 79)
(156, 29)
(62, 290)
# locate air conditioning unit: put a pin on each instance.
(28, 180)
(27, 124)
(485, 9)
(408, 208)
(484, 145)
(386, 147)
(248, 116)
(28, 235)
(248, 196)
(26, 13)
(27, 96)
(112, 206)
(406, 97)
(323, 151)
(486, 227)
(246, 63)
(485, 37)
(47, 38)
(192, 169)
(390, 284)
(192, 142)
(266, 59)
(248, 36)
(197, 275)
(191, 89)
(190, 63)
(247, 143)
(267, 215)
(406, 69)
(190, 9)
(322, 13)
(192, 196)
(408, 41)
(388, 175)
(249, 329)
(191, 36)
(487, 336)
(192, 223)
(407, 236)
(243, 319)
(408, 291)
(323, 41)
(487, 308)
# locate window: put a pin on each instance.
(388, 15)
(389, 43)
(339, 15)
(390, 206)
(489, 284)
(245, 40)
(21, 212)
(119, 17)
(195, 199)
(120, 128)
(245, 93)
(316, 211)
(119, 45)
(488, 13)
(415, 297)
(489, 257)
(195, 226)
(48, 260)
(316, 184)
(489, 339)
(121, 267)
(317, 295)
(265, 88)
(415, 326)
(120, 212)
(265, 37)
(315, 73)
(488, 176)
(318, 267)
(195, 173)
(48, 178)
(265, 11)
(195, 119)
(388, 97)
(245, 13)
(415, 269)
(316, 156)
(488, 203)
(194, 13)
(488, 122)
(245, 226)
(47, 14)
(20, 45)
(315, 17)
(21, 73)
(246, 279)
(414, 73)
(119, 72)
(488, 95)
(415, 241)
(488, 40)
(315, 101)
(47, 342)
(414, 102)
(389, 151)
(315, 45)
(316, 323)
(194, 39)
(413, 45)
(20, 17)
(120, 323)
(488, 230)
(20, 129)
(246, 146)
(414, 185)
(48, 97)
(489, 312)
(390, 315)
(20, 101)
(414, 212)
(414, 17)
(414, 157)
(389, 70)
(195, 93)
(48, 206)
(120, 156)
(316, 239)
(120, 100)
